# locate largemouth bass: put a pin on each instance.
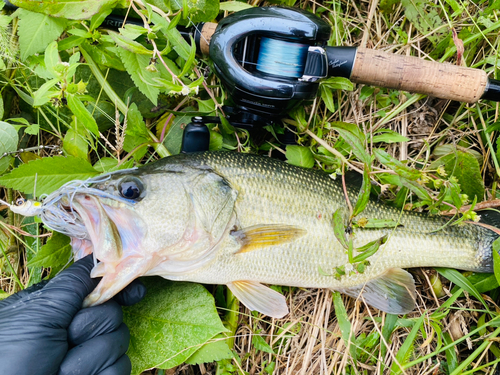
(244, 221)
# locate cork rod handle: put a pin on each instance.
(413, 74)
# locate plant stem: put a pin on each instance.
(488, 139)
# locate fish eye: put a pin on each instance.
(130, 188)
(20, 201)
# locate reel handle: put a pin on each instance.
(413, 74)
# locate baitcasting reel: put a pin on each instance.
(269, 59)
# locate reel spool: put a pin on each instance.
(271, 58)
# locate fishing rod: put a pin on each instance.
(269, 59)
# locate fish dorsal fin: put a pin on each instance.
(393, 292)
(259, 236)
(259, 297)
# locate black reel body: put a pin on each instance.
(258, 77)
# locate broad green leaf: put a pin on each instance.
(71, 9)
(351, 134)
(37, 30)
(214, 350)
(34, 245)
(197, 10)
(377, 223)
(300, 156)
(32, 129)
(55, 253)
(174, 36)
(398, 167)
(369, 249)
(105, 57)
(388, 136)
(338, 83)
(484, 282)
(43, 94)
(216, 141)
(424, 16)
(327, 96)
(52, 59)
(260, 344)
(8, 143)
(82, 115)
(50, 174)
(190, 60)
(456, 277)
(234, 6)
(339, 228)
(173, 321)
(496, 259)
(344, 324)
(136, 133)
(75, 144)
(106, 165)
(1, 107)
(465, 167)
(143, 79)
(129, 45)
(3, 295)
(405, 349)
(418, 189)
(364, 194)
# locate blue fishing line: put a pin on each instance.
(282, 58)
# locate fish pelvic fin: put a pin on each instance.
(261, 298)
(393, 292)
(258, 236)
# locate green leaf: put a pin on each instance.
(198, 10)
(456, 277)
(369, 249)
(172, 322)
(37, 31)
(214, 350)
(388, 136)
(344, 324)
(75, 144)
(484, 282)
(173, 35)
(234, 6)
(338, 83)
(43, 95)
(55, 253)
(143, 79)
(71, 9)
(49, 173)
(137, 132)
(355, 138)
(106, 165)
(394, 164)
(129, 45)
(3, 295)
(82, 115)
(339, 228)
(496, 259)
(327, 96)
(1, 107)
(364, 194)
(423, 15)
(8, 143)
(404, 350)
(465, 167)
(32, 129)
(378, 223)
(260, 344)
(300, 156)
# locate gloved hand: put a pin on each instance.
(44, 331)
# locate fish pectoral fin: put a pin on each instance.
(259, 297)
(393, 292)
(259, 236)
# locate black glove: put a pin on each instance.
(43, 329)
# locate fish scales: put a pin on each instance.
(242, 220)
(273, 192)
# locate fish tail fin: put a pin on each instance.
(115, 277)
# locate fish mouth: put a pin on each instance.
(101, 223)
